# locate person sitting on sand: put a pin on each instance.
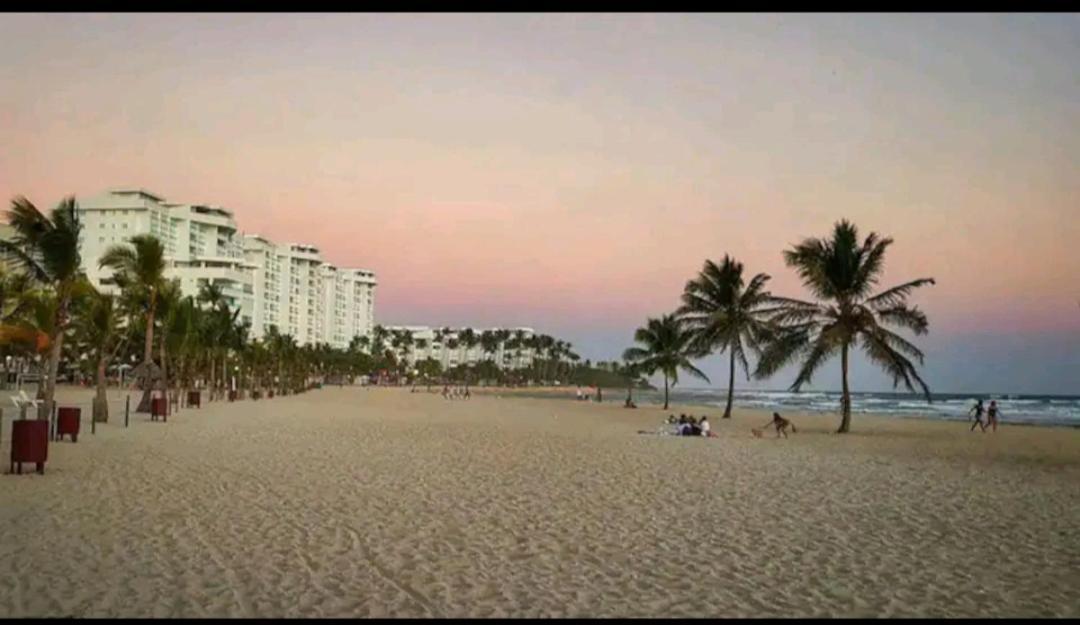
(706, 429)
(692, 429)
(781, 424)
(992, 415)
(977, 410)
(629, 403)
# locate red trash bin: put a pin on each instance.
(158, 408)
(67, 422)
(194, 398)
(29, 443)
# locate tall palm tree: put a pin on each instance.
(169, 299)
(841, 274)
(665, 347)
(48, 247)
(723, 313)
(97, 331)
(181, 330)
(139, 269)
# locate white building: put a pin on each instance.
(288, 286)
(449, 351)
(306, 297)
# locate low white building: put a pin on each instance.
(445, 346)
(289, 286)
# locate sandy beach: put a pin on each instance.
(347, 502)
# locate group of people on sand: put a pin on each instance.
(992, 414)
(456, 392)
(686, 426)
(587, 395)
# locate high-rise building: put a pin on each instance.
(306, 297)
(288, 286)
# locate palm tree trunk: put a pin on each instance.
(164, 373)
(665, 392)
(50, 383)
(147, 380)
(148, 345)
(212, 381)
(101, 400)
(730, 387)
(845, 398)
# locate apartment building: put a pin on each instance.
(289, 286)
(306, 297)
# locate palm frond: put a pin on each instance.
(894, 363)
(897, 294)
(820, 351)
(904, 316)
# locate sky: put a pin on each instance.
(571, 172)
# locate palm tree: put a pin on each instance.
(665, 347)
(519, 341)
(841, 274)
(48, 247)
(725, 314)
(97, 330)
(181, 331)
(139, 270)
(168, 300)
(489, 343)
(468, 339)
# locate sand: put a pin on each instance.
(351, 502)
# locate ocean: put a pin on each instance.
(1015, 408)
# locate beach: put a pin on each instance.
(353, 502)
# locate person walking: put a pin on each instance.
(977, 410)
(992, 414)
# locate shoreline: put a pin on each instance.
(563, 393)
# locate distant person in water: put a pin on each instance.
(977, 410)
(992, 414)
(781, 424)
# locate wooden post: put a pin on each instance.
(93, 421)
(127, 410)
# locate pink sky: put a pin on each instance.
(573, 172)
